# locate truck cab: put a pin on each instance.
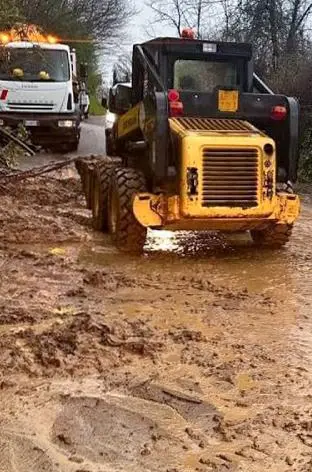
(37, 91)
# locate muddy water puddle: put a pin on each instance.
(231, 261)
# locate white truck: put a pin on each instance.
(37, 89)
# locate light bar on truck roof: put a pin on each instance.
(4, 38)
(52, 39)
(29, 34)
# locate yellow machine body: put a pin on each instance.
(233, 181)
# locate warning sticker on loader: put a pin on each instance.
(228, 100)
(129, 121)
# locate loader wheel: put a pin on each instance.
(110, 148)
(275, 237)
(85, 171)
(89, 184)
(126, 231)
(101, 182)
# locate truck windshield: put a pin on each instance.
(204, 76)
(34, 65)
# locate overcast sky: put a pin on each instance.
(138, 30)
(141, 28)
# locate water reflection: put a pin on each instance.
(231, 261)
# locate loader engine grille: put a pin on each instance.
(230, 177)
(214, 125)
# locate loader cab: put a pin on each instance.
(190, 78)
(198, 77)
(197, 70)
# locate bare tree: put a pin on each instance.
(299, 14)
(122, 70)
(184, 13)
(275, 27)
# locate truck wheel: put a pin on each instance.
(72, 147)
(275, 236)
(126, 231)
(101, 181)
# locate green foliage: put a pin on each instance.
(9, 150)
(95, 107)
(10, 14)
(94, 81)
(305, 163)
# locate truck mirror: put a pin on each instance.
(119, 101)
(104, 102)
(123, 98)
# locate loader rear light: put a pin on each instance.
(176, 109)
(173, 95)
(4, 94)
(278, 113)
(175, 105)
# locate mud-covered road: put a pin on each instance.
(195, 356)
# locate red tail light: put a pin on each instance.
(175, 105)
(176, 108)
(173, 95)
(4, 94)
(278, 113)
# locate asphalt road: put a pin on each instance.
(92, 141)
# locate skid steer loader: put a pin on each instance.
(203, 143)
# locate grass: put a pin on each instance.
(95, 107)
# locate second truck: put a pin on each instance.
(203, 144)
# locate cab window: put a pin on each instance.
(204, 76)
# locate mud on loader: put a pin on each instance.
(203, 144)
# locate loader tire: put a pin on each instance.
(89, 184)
(85, 171)
(110, 148)
(127, 233)
(275, 236)
(101, 183)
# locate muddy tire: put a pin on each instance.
(72, 147)
(110, 148)
(85, 170)
(126, 231)
(101, 182)
(275, 237)
(89, 185)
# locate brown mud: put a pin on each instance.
(195, 356)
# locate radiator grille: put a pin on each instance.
(30, 106)
(214, 125)
(230, 177)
